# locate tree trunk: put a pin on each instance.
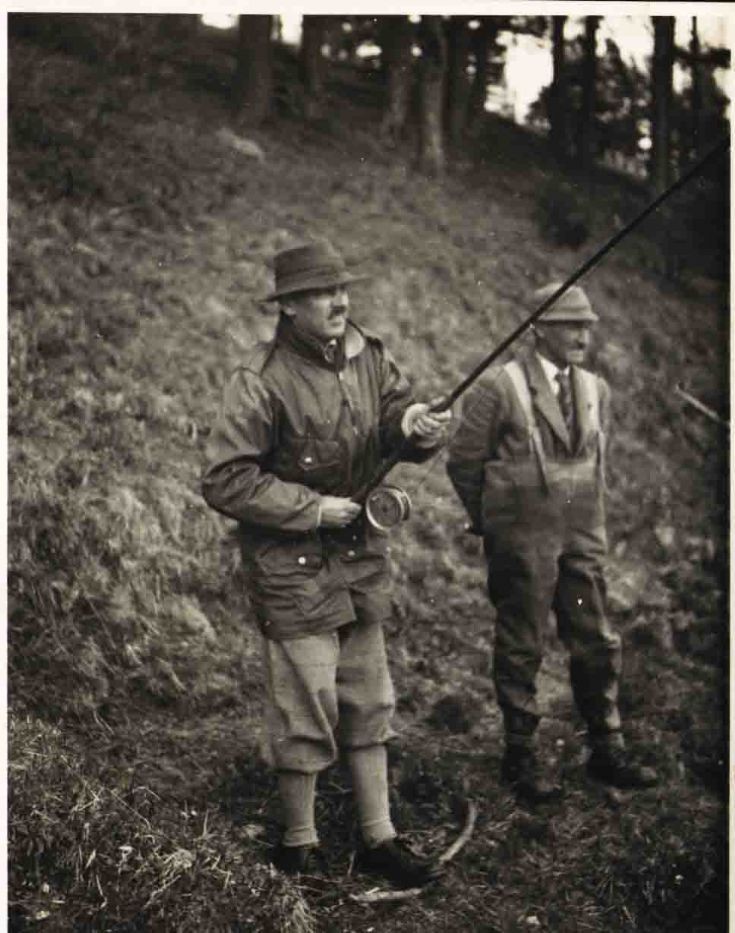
(457, 87)
(586, 128)
(557, 94)
(252, 91)
(432, 68)
(662, 84)
(695, 142)
(394, 37)
(313, 30)
(181, 25)
(482, 40)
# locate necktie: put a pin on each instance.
(565, 402)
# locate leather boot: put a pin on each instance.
(394, 861)
(614, 765)
(521, 771)
(297, 860)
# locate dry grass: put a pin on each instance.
(138, 247)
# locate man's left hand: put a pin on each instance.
(424, 427)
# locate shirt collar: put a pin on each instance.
(551, 369)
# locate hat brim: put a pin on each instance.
(317, 282)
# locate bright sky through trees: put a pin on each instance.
(528, 59)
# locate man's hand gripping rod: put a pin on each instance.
(447, 402)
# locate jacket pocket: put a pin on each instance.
(367, 569)
(314, 454)
(320, 463)
(292, 581)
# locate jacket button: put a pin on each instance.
(302, 561)
(308, 460)
(350, 553)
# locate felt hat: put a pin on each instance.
(573, 305)
(311, 265)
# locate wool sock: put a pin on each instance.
(369, 768)
(297, 791)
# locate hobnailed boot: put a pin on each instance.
(614, 765)
(521, 771)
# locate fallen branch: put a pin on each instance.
(695, 403)
(464, 836)
(380, 897)
(377, 896)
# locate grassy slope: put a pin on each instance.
(139, 240)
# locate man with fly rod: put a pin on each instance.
(305, 421)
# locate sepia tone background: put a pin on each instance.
(156, 163)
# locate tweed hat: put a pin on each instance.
(572, 305)
(315, 264)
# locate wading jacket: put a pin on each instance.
(293, 426)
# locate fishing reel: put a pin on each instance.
(386, 507)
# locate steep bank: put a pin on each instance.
(139, 241)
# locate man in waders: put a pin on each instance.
(305, 422)
(528, 464)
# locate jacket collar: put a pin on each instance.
(354, 341)
(316, 351)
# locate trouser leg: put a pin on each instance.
(521, 584)
(594, 647)
(300, 719)
(301, 702)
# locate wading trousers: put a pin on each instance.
(544, 543)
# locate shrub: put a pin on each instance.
(562, 212)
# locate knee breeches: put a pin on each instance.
(324, 692)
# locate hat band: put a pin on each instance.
(285, 279)
(324, 277)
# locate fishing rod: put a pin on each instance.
(386, 506)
